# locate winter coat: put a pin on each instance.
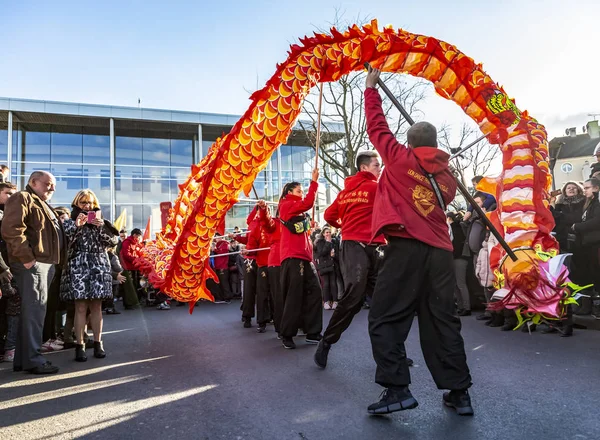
(323, 259)
(588, 230)
(129, 252)
(88, 273)
(31, 229)
(566, 215)
(406, 204)
(115, 267)
(475, 232)
(221, 263)
(458, 240)
(483, 271)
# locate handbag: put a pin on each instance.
(325, 266)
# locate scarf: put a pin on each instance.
(569, 200)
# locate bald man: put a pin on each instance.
(417, 272)
(36, 242)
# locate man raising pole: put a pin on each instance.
(417, 272)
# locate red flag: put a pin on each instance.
(165, 207)
(147, 230)
(221, 227)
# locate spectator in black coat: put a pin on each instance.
(586, 264)
(461, 262)
(567, 210)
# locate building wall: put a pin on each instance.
(575, 169)
(147, 169)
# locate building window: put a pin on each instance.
(66, 148)
(96, 149)
(128, 150)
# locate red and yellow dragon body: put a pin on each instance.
(177, 262)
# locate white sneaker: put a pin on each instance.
(164, 306)
(50, 345)
(9, 355)
(334, 306)
(326, 306)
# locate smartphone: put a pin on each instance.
(555, 193)
(92, 215)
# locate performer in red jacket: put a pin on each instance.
(299, 279)
(249, 299)
(222, 266)
(352, 211)
(259, 239)
(273, 229)
(417, 272)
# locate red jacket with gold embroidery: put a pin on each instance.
(406, 205)
(352, 209)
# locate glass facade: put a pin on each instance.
(147, 167)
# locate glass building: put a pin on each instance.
(133, 158)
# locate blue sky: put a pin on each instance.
(205, 56)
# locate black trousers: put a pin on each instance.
(329, 287)
(235, 283)
(215, 289)
(249, 300)
(276, 295)
(416, 277)
(359, 271)
(302, 298)
(223, 275)
(263, 311)
(50, 321)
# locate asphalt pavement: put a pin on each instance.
(170, 375)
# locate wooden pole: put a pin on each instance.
(318, 141)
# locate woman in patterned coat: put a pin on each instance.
(87, 277)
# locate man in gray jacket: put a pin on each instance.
(36, 242)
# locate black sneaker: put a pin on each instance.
(322, 353)
(261, 329)
(288, 343)
(464, 313)
(392, 400)
(410, 362)
(313, 339)
(46, 368)
(247, 323)
(460, 401)
(279, 336)
(484, 317)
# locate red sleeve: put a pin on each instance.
(301, 206)
(332, 214)
(242, 238)
(126, 252)
(267, 221)
(378, 129)
(254, 238)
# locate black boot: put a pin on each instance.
(80, 355)
(99, 350)
(247, 323)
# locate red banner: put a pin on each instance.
(164, 213)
